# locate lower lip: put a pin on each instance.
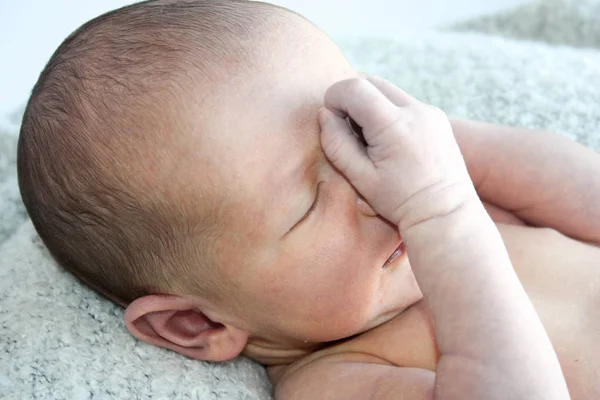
(395, 255)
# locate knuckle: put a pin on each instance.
(403, 121)
(356, 86)
(436, 111)
(406, 121)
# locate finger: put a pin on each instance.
(396, 95)
(343, 149)
(363, 102)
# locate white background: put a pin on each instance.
(30, 30)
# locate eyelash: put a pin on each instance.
(312, 206)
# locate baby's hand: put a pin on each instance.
(411, 169)
(412, 173)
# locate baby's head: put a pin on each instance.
(169, 156)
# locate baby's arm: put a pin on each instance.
(542, 178)
(491, 341)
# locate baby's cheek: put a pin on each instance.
(343, 298)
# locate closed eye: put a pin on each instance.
(311, 208)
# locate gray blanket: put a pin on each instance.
(537, 66)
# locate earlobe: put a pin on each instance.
(177, 324)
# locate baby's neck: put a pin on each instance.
(272, 354)
(282, 358)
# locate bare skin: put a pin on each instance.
(558, 272)
(295, 278)
(560, 276)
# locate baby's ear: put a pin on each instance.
(177, 324)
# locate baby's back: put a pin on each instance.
(561, 277)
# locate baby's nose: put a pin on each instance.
(364, 207)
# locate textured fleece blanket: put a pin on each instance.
(537, 66)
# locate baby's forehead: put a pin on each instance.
(242, 126)
(254, 164)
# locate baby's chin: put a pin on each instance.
(385, 317)
(382, 319)
(406, 295)
(367, 326)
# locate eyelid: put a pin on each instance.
(311, 208)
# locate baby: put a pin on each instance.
(194, 162)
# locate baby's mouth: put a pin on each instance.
(397, 253)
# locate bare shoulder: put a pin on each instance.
(527, 236)
(355, 376)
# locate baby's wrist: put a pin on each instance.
(439, 203)
(458, 226)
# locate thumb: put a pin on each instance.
(344, 150)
